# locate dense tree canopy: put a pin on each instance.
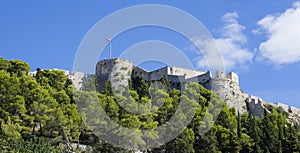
(43, 113)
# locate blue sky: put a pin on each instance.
(258, 39)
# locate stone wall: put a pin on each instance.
(140, 73)
(204, 79)
(117, 71)
(291, 109)
(187, 73)
(158, 74)
(255, 105)
(176, 82)
(233, 76)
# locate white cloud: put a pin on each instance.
(283, 36)
(230, 44)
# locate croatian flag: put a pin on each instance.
(106, 40)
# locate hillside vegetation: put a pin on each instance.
(40, 114)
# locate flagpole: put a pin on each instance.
(110, 49)
(108, 40)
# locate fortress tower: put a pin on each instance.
(114, 70)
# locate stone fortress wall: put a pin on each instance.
(225, 85)
(122, 70)
(255, 105)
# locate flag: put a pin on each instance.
(106, 40)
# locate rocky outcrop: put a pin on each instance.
(229, 90)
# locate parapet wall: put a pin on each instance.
(140, 73)
(158, 74)
(204, 79)
(187, 73)
(233, 77)
(255, 105)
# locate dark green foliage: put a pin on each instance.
(107, 89)
(33, 145)
(17, 66)
(143, 89)
(164, 80)
(39, 114)
(38, 106)
(184, 143)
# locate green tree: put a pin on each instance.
(183, 143)
(17, 66)
(143, 89)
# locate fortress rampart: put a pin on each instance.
(225, 85)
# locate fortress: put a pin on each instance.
(118, 70)
(225, 85)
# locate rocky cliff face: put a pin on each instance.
(228, 89)
(231, 93)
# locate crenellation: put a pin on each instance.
(255, 105)
(233, 77)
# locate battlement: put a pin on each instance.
(233, 77)
(255, 105)
(220, 74)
